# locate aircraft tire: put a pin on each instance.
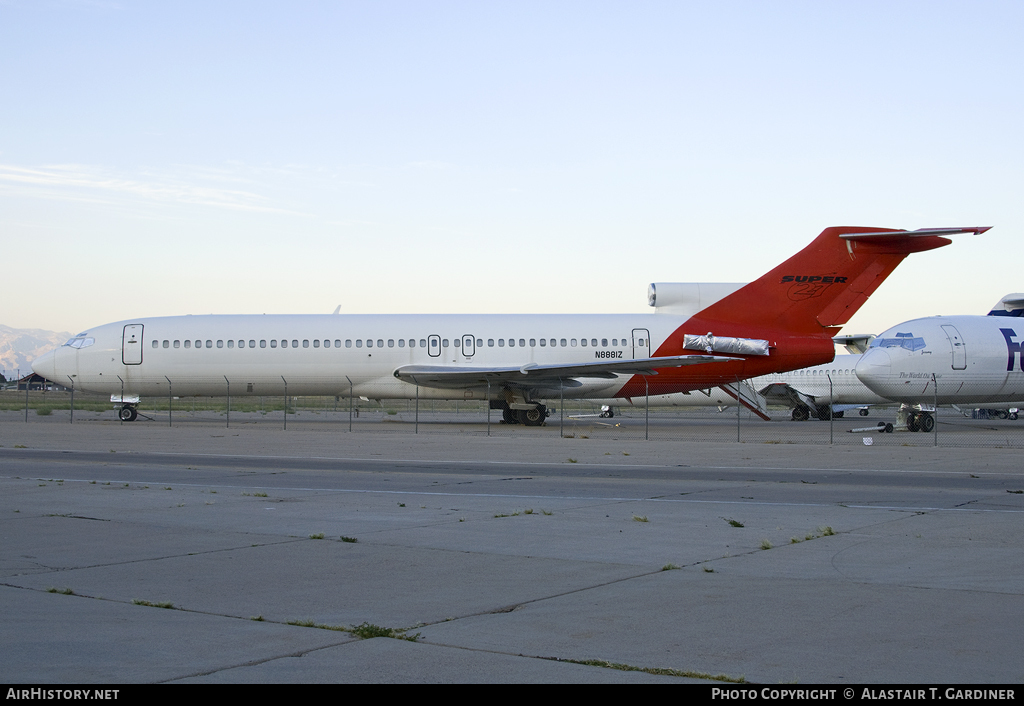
(127, 414)
(927, 423)
(824, 412)
(912, 422)
(509, 416)
(801, 414)
(838, 415)
(533, 417)
(888, 428)
(863, 413)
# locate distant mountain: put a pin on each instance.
(20, 346)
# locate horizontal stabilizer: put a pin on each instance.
(856, 343)
(919, 233)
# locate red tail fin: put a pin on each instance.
(824, 284)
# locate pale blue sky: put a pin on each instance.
(163, 158)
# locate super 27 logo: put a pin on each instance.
(1012, 349)
(807, 286)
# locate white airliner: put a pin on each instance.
(955, 360)
(700, 336)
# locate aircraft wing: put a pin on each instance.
(784, 393)
(535, 373)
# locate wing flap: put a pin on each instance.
(535, 373)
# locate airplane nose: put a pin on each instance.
(45, 365)
(874, 369)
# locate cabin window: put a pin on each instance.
(444, 343)
(241, 344)
(252, 343)
(273, 343)
(562, 343)
(412, 342)
(220, 344)
(369, 343)
(543, 342)
(188, 344)
(593, 342)
(583, 342)
(231, 344)
(572, 342)
(458, 342)
(359, 343)
(401, 343)
(327, 343)
(423, 343)
(391, 343)
(263, 344)
(490, 343)
(156, 344)
(604, 342)
(177, 344)
(337, 343)
(295, 343)
(316, 342)
(501, 343)
(479, 343)
(305, 343)
(511, 343)
(615, 341)
(209, 343)
(348, 342)
(167, 344)
(533, 342)
(522, 342)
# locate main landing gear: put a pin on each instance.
(920, 421)
(532, 417)
(128, 413)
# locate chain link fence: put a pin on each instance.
(570, 418)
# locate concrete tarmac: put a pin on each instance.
(501, 559)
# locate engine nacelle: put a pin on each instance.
(687, 298)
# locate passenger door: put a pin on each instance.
(959, 348)
(131, 345)
(641, 343)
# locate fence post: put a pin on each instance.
(285, 403)
(738, 405)
(831, 412)
(118, 411)
(350, 403)
(935, 393)
(647, 409)
(72, 398)
(488, 406)
(417, 409)
(170, 403)
(561, 409)
(229, 401)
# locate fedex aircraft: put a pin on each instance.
(957, 360)
(700, 336)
